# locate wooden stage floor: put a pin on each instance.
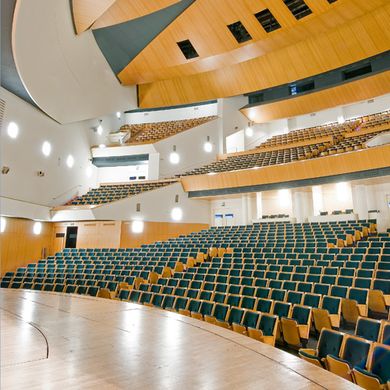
(63, 341)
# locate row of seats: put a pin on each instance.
(343, 140)
(111, 193)
(153, 132)
(332, 129)
(358, 359)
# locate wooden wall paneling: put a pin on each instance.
(354, 91)
(20, 246)
(362, 160)
(156, 231)
(321, 51)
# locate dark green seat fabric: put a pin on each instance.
(264, 305)
(368, 329)
(267, 324)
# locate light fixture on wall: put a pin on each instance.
(70, 161)
(102, 146)
(37, 228)
(118, 115)
(3, 224)
(249, 130)
(46, 148)
(12, 130)
(137, 226)
(99, 128)
(208, 146)
(174, 157)
(177, 214)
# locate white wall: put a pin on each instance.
(24, 157)
(172, 114)
(189, 146)
(156, 206)
(122, 174)
(65, 74)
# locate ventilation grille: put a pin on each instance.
(187, 49)
(239, 32)
(267, 20)
(298, 8)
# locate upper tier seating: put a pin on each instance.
(111, 193)
(333, 129)
(340, 144)
(153, 132)
(261, 159)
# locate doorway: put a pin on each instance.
(71, 237)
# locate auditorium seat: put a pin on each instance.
(377, 374)
(295, 329)
(354, 353)
(266, 330)
(329, 343)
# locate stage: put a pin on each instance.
(63, 341)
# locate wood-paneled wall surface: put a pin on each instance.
(354, 91)
(347, 33)
(92, 234)
(156, 231)
(20, 246)
(105, 344)
(362, 160)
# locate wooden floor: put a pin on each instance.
(63, 341)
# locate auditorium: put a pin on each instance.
(195, 194)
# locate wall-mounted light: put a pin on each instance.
(174, 157)
(37, 228)
(99, 128)
(118, 115)
(177, 214)
(137, 227)
(46, 148)
(102, 146)
(70, 161)
(12, 130)
(208, 146)
(249, 130)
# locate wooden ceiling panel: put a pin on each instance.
(216, 45)
(353, 41)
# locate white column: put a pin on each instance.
(317, 199)
(302, 205)
(259, 205)
(244, 208)
(359, 199)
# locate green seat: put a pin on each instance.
(368, 328)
